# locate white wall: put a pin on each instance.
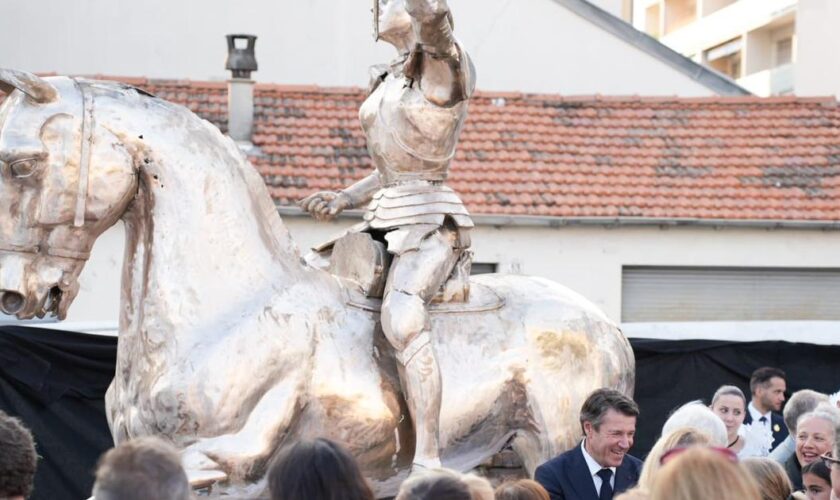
(614, 7)
(522, 45)
(817, 40)
(586, 259)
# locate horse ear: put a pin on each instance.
(38, 89)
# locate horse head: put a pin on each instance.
(52, 152)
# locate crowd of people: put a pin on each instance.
(730, 449)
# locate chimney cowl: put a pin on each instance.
(241, 61)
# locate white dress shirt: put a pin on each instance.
(756, 416)
(594, 468)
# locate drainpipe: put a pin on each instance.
(241, 61)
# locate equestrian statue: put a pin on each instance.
(232, 344)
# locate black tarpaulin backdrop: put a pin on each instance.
(56, 381)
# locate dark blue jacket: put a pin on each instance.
(776, 422)
(566, 476)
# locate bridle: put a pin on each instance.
(87, 128)
(84, 156)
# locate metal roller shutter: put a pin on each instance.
(658, 294)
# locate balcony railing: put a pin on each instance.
(774, 81)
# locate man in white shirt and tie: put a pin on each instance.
(768, 386)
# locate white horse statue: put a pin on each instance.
(230, 344)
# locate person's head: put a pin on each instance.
(772, 480)
(634, 494)
(444, 484)
(768, 386)
(730, 405)
(700, 472)
(144, 468)
(523, 489)
(800, 403)
(816, 477)
(608, 420)
(698, 416)
(316, 469)
(18, 459)
(679, 438)
(815, 433)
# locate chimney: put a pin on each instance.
(241, 61)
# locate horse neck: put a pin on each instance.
(204, 240)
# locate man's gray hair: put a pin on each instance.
(600, 401)
(800, 403)
(145, 468)
(696, 415)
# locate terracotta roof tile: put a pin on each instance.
(567, 156)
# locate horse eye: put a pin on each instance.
(22, 169)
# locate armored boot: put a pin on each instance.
(422, 385)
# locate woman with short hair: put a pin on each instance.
(815, 436)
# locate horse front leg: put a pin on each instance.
(243, 456)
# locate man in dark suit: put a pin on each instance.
(599, 467)
(768, 386)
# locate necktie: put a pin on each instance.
(763, 420)
(606, 487)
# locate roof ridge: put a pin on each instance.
(828, 100)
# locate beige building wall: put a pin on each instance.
(818, 38)
(752, 41)
(587, 259)
(526, 45)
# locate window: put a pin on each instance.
(658, 294)
(726, 58)
(679, 13)
(483, 268)
(784, 51)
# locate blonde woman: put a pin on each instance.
(680, 438)
(772, 480)
(703, 473)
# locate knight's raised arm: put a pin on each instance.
(438, 62)
(432, 22)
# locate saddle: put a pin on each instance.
(362, 263)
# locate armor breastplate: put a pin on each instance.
(408, 137)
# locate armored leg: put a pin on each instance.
(414, 278)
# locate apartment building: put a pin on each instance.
(770, 47)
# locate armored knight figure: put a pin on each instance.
(412, 120)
